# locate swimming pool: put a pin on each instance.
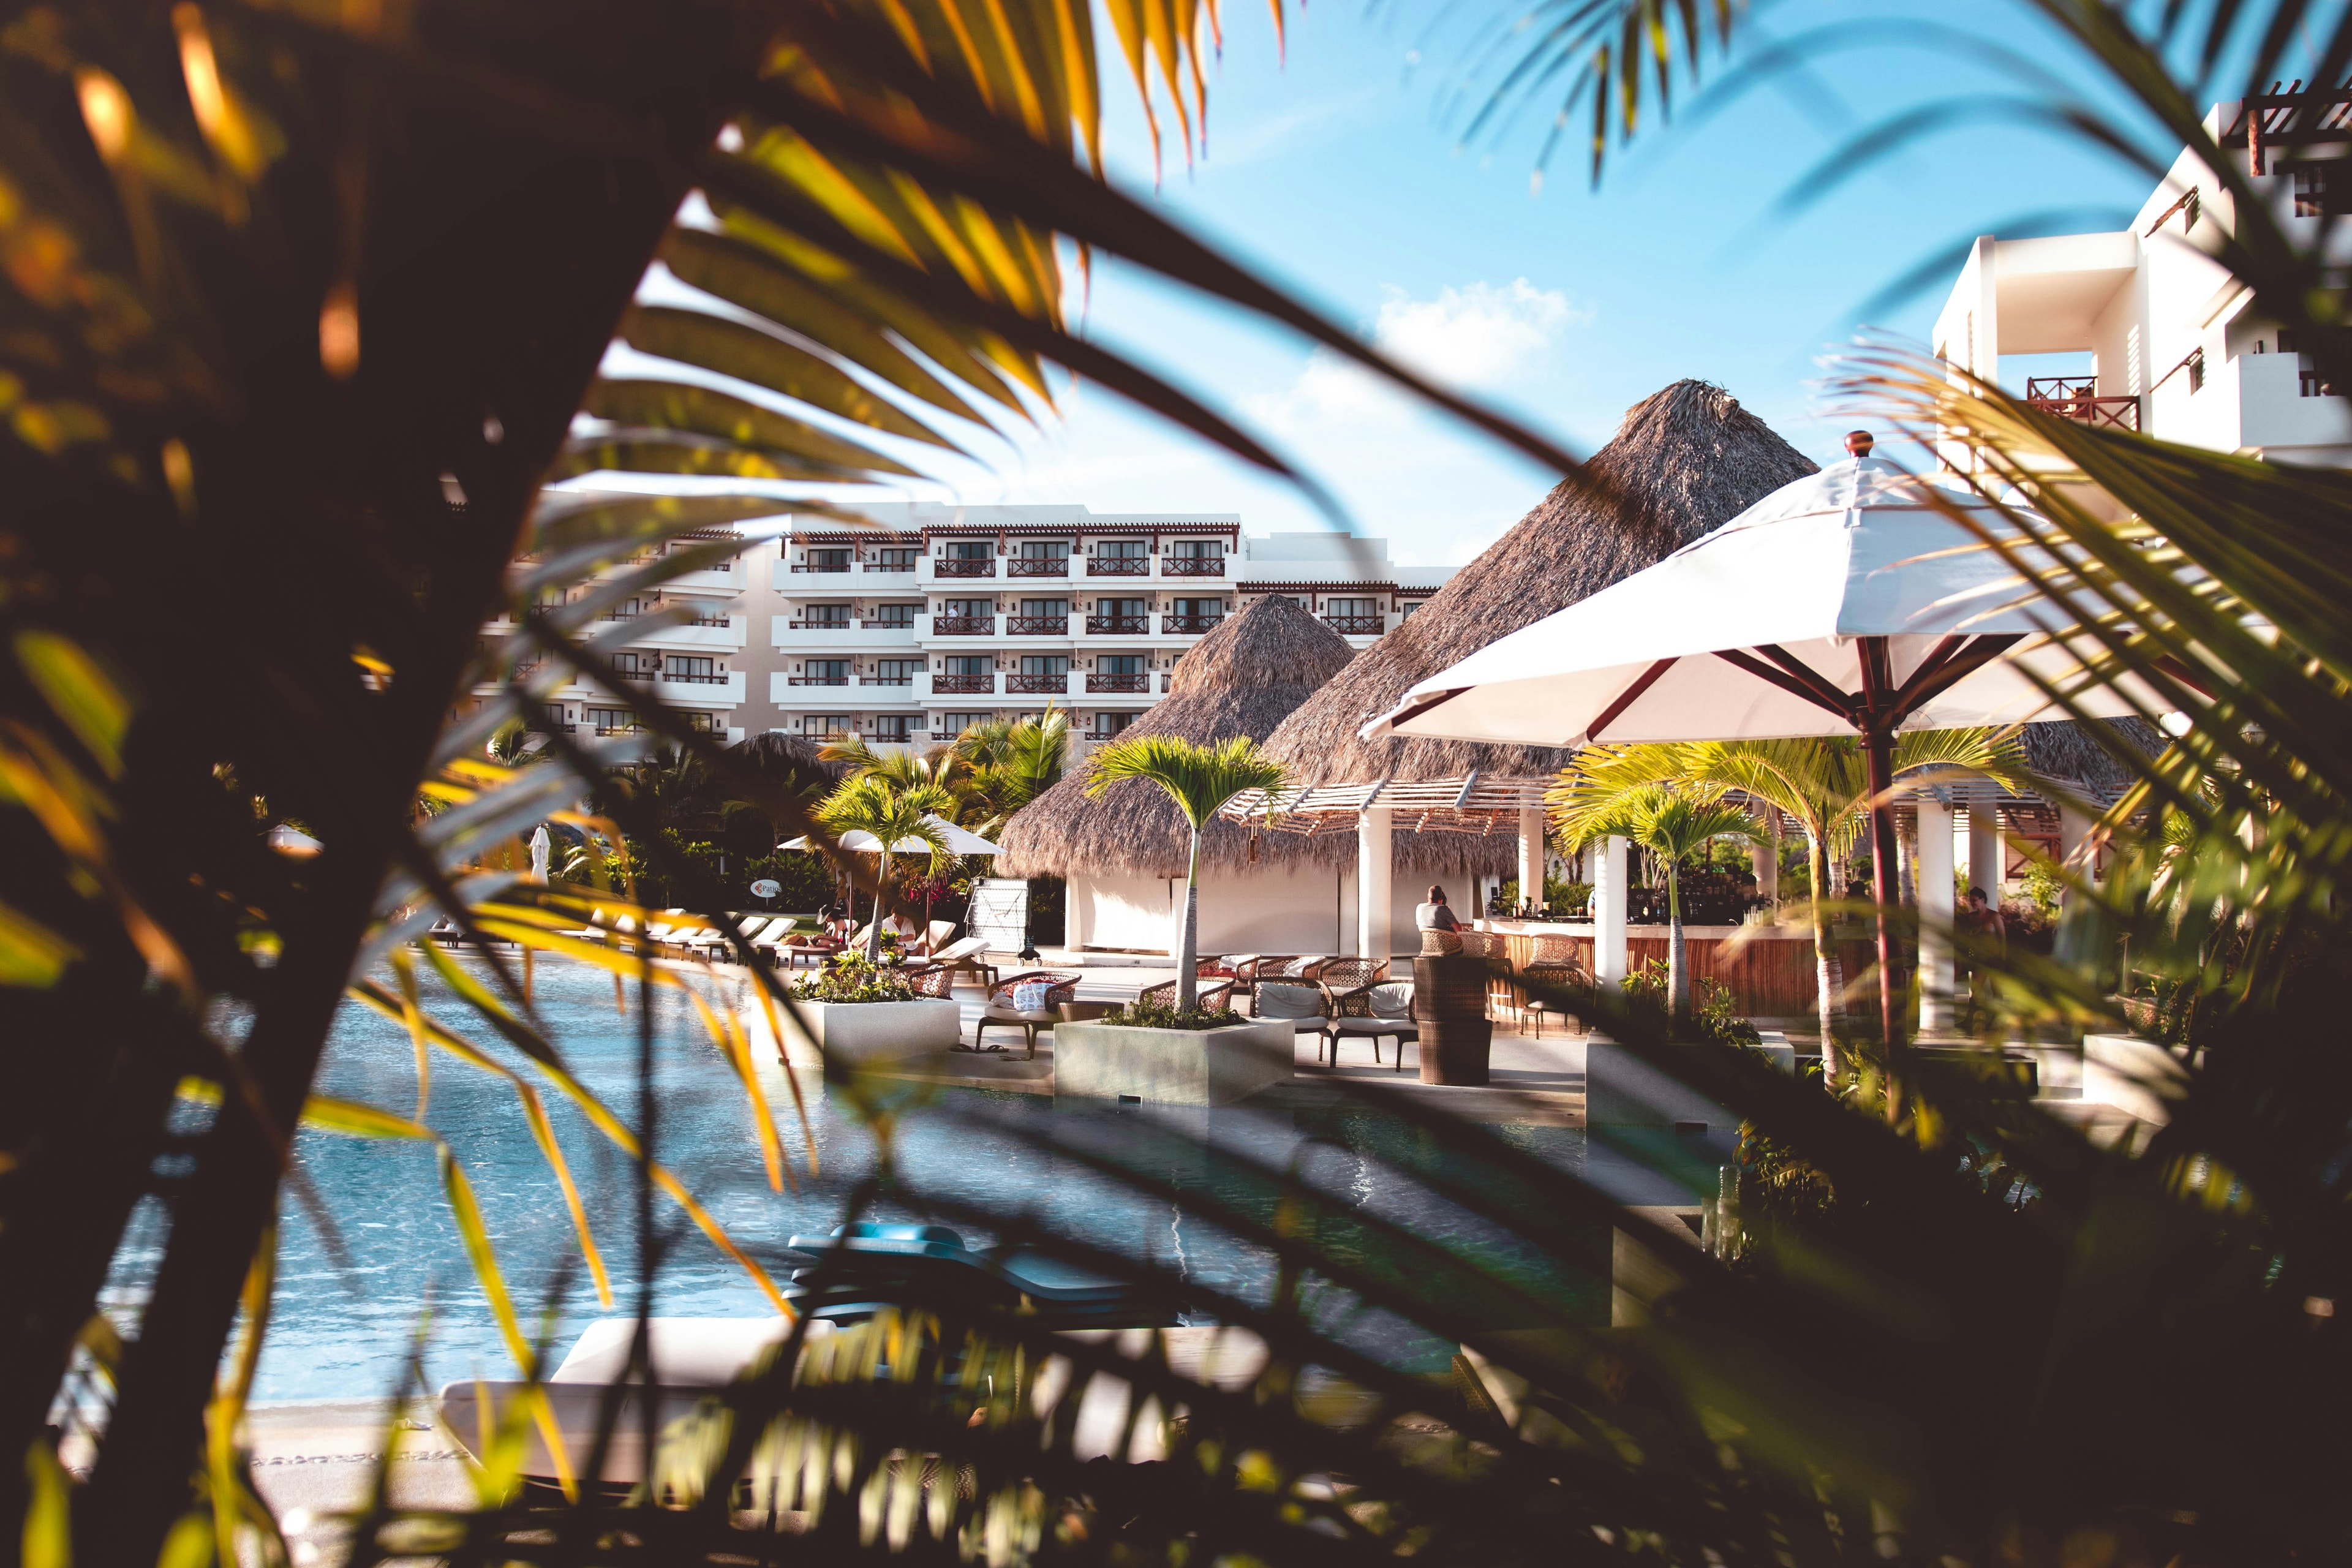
(348, 1310)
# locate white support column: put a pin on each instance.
(1933, 858)
(2076, 853)
(1373, 851)
(1609, 915)
(1531, 855)
(1985, 852)
(1765, 856)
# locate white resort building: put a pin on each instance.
(940, 616)
(2166, 341)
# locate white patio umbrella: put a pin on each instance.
(543, 849)
(959, 840)
(1842, 604)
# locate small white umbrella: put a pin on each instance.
(959, 841)
(1845, 603)
(541, 848)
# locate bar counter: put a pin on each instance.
(1768, 968)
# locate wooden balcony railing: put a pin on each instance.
(1119, 625)
(1037, 566)
(1035, 685)
(889, 566)
(963, 625)
(823, 566)
(2076, 397)
(700, 680)
(890, 624)
(1189, 625)
(1117, 566)
(817, 680)
(955, 566)
(1354, 625)
(1138, 682)
(964, 684)
(830, 625)
(1038, 626)
(885, 681)
(1193, 566)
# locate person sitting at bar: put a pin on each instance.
(1433, 915)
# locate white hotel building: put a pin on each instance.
(938, 616)
(2166, 342)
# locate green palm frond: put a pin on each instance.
(1200, 779)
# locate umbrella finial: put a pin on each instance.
(1860, 442)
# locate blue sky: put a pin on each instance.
(1338, 173)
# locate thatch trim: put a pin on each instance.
(2066, 752)
(1686, 460)
(1243, 678)
(777, 757)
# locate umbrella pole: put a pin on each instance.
(1879, 745)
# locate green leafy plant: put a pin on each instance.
(854, 977)
(1141, 1015)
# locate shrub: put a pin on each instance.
(849, 978)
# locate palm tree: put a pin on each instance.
(895, 816)
(1200, 779)
(943, 765)
(1012, 762)
(1674, 821)
(1820, 783)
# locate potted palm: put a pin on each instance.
(1672, 823)
(1179, 1054)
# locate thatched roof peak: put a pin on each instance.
(1685, 459)
(1243, 678)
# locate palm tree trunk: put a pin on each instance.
(1188, 948)
(1678, 957)
(1828, 976)
(874, 932)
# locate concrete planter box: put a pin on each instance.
(852, 1034)
(1173, 1066)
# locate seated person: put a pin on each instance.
(913, 936)
(834, 921)
(1435, 915)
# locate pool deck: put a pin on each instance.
(1533, 1081)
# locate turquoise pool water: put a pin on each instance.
(348, 1311)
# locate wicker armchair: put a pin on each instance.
(1349, 974)
(928, 979)
(1553, 967)
(1370, 1011)
(1208, 997)
(1001, 1010)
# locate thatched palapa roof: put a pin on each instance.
(1686, 460)
(1243, 678)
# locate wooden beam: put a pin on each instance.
(1627, 697)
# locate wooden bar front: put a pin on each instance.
(1769, 969)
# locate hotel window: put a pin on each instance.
(552, 715)
(1044, 550)
(957, 723)
(704, 720)
(892, 615)
(1121, 550)
(825, 672)
(895, 560)
(611, 720)
(825, 724)
(1112, 723)
(1120, 609)
(895, 671)
(890, 727)
(1045, 664)
(968, 609)
(970, 664)
(701, 671)
(1120, 664)
(2318, 196)
(1207, 608)
(971, 549)
(1409, 607)
(828, 560)
(824, 615)
(645, 666)
(1044, 609)
(1351, 607)
(1197, 549)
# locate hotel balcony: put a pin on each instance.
(1119, 566)
(1038, 626)
(1037, 685)
(946, 566)
(1356, 625)
(963, 685)
(2077, 398)
(963, 625)
(1191, 566)
(1136, 682)
(885, 681)
(1119, 625)
(1027, 566)
(701, 690)
(1188, 626)
(825, 625)
(824, 568)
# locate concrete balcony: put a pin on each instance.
(1038, 626)
(1037, 566)
(1356, 625)
(723, 579)
(1119, 625)
(1037, 685)
(1191, 566)
(701, 690)
(710, 633)
(963, 686)
(1138, 682)
(1118, 565)
(943, 567)
(1189, 625)
(963, 625)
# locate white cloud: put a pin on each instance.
(1484, 337)
(1477, 337)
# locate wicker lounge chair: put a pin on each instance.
(1000, 1009)
(1381, 1007)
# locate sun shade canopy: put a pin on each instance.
(1844, 602)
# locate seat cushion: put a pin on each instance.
(1276, 1000)
(1005, 1012)
(1398, 1026)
